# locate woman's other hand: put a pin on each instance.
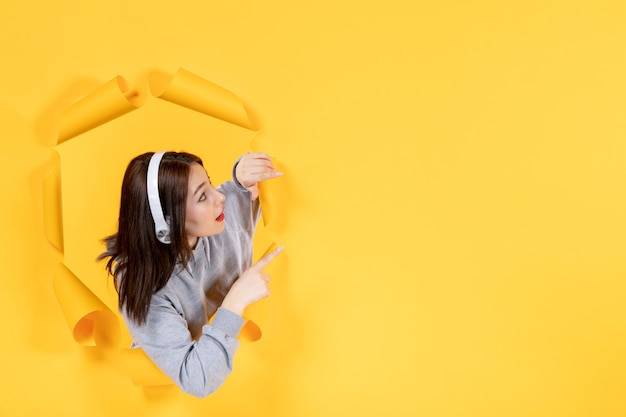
(253, 168)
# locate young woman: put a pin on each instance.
(182, 254)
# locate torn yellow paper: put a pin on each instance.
(250, 332)
(267, 201)
(141, 370)
(196, 93)
(91, 321)
(263, 243)
(113, 99)
(52, 211)
(270, 248)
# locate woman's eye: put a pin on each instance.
(202, 197)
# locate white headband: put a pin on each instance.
(161, 227)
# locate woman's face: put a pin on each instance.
(205, 206)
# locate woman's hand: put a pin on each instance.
(253, 168)
(251, 286)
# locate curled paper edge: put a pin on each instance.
(196, 93)
(52, 210)
(110, 101)
(89, 319)
(250, 331)
(267, 201)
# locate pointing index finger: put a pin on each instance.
(266, 259)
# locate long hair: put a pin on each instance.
(139, 263)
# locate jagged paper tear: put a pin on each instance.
(52, 214)
(92, 323)
(110, 101)
(196, 93)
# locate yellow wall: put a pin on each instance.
(452, 209)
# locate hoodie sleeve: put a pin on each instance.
(199, 367)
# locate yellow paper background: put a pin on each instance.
(452, 209)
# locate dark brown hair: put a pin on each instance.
(139, 263)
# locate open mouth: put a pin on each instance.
(220, 218)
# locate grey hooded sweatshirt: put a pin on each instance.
(177, 336)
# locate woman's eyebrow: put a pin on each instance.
(198, 189)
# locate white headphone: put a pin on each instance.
(161, 226)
